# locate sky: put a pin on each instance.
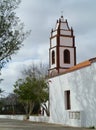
(40, 17)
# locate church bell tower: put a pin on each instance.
(62, 51)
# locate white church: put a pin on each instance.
(72, 87)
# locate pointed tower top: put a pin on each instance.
(61, 16)
(62, 24)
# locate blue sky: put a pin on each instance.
(40, 16)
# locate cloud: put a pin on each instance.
(13, 71)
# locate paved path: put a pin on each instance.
(7, 124)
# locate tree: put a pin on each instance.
(1, 93)
(33, 88)
(1, 103)
(11, 30)
(11, 105)
(40, 70)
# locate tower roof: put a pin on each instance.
(62, 24)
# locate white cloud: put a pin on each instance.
(12, 72)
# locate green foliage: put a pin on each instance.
(11, 105)
(92, 127)
(32, 89)
(1, 91)
(11, 30)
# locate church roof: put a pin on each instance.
(81, 65)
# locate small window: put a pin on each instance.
(67, 56)
(67, 100)
(53, 57)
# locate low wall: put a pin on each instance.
(39, 118)
(23, 117)
(17, 117)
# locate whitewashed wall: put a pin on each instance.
(17, 117)
(66, 41)
(23, 117)
(82, 86)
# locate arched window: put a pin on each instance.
(67, 56)
(53, 57)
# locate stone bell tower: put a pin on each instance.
(62, 51)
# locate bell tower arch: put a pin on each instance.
(62, 51)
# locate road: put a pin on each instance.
(7, 124)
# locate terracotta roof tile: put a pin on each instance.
(82, 65)
(79, 66)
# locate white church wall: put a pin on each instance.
(66, 41)
(65, 32)
(82, 86)
(53, 42)
(54, 33)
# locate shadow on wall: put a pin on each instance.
(84, 81)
